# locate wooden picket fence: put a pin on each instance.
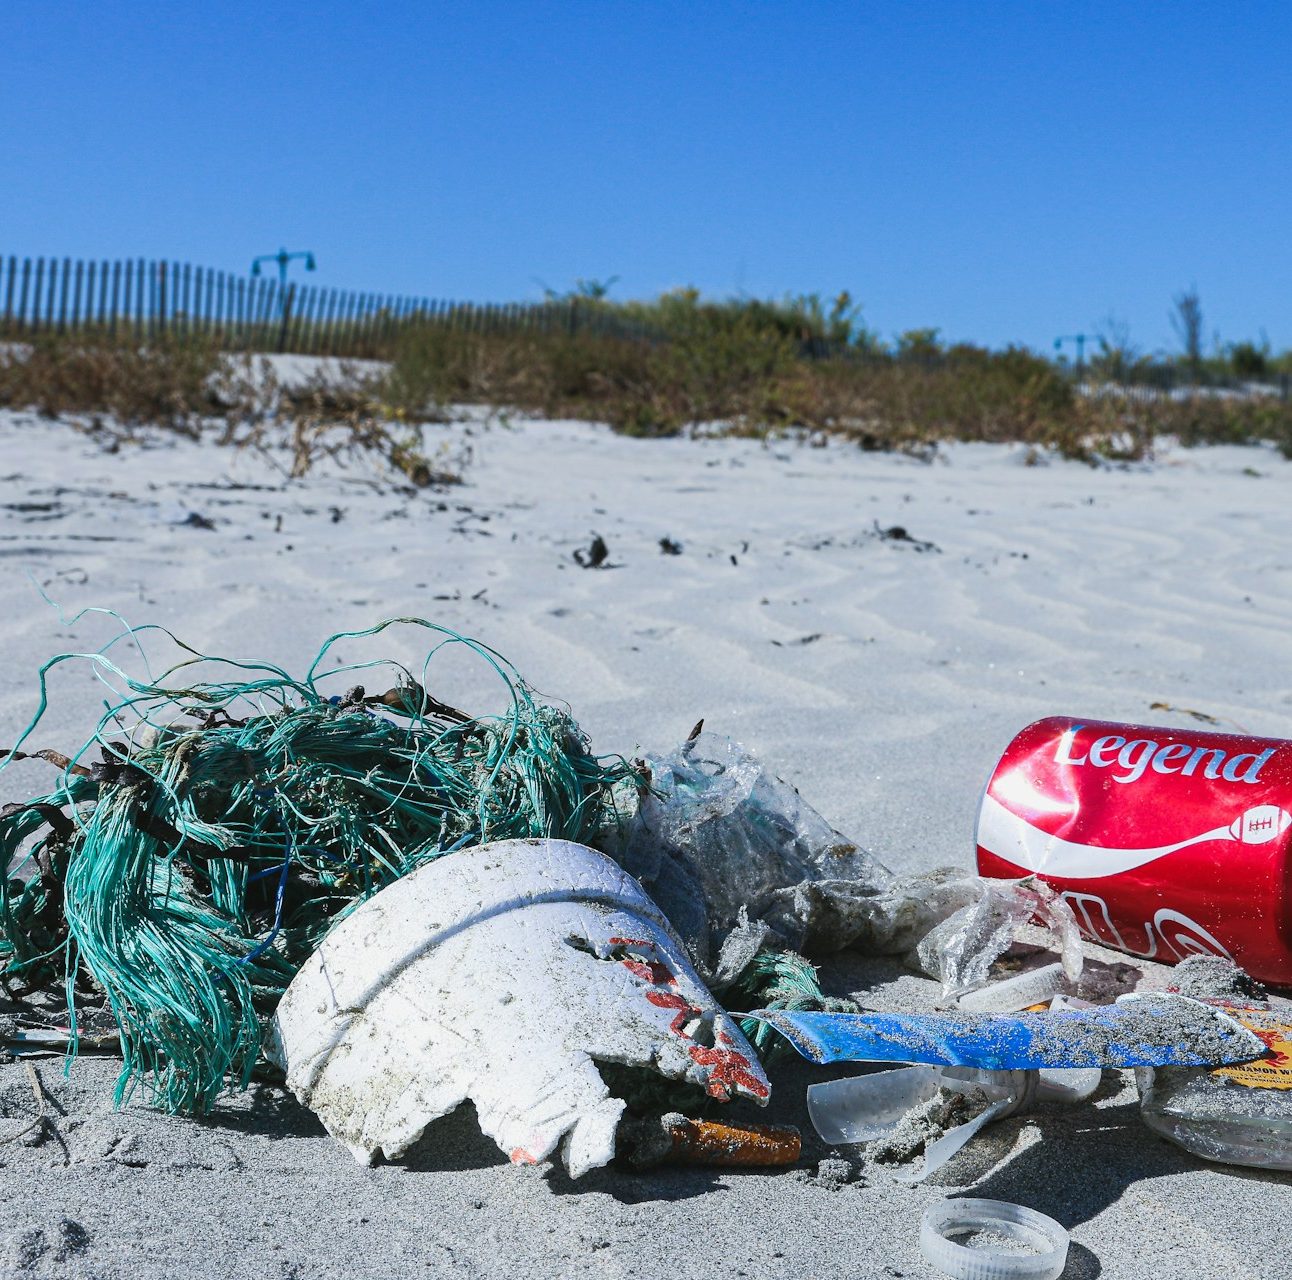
(245, 313)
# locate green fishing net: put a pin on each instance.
(208, 833)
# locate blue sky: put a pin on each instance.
(1004, 171)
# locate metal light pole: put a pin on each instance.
(282, 257)
(1080, 339)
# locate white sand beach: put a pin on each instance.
(881, 675)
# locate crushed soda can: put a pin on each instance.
(1165, 843)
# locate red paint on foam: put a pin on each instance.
(668, 1000)
(658, 975)
(728, 1071)
(671, 1000)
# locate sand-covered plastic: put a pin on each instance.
(1240, 1114)
(915, 1108)
(975, 1239)
(1152, 1029)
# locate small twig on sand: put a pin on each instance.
(42, 1115)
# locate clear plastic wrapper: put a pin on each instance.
(738, 859)
(1238, 1114)
(962, 948)
(875, 1107)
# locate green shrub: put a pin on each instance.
(1248, 360)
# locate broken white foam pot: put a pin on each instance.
(501, 974)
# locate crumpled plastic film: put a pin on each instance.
(865, 1108)
(869, 1107)
(732, 854)
(962, 948)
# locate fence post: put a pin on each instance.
(352, 326)
(62, 295)
(240, 319)
(303, 328)
(36, 295)
(287, 312)
(51, 311)
(304, 333)
(22, 300)
(268, 308)
(325, 331)
(76, 294)
(257, 313)
(335, 313)
(116, 298)
(8, 294)
(340, 327)
(141, 313)
(125, 297)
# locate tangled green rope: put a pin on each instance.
(780, 980)
(188, 872)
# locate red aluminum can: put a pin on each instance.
(1164, 842)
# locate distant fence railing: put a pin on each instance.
(1170, 385)
(150, 298)
(145, 299)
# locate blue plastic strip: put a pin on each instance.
(1138, 1033)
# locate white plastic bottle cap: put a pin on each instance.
(1044, 1242)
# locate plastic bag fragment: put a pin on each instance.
(874, 1107)
(503, 975)
(726, 847)
(961, 949)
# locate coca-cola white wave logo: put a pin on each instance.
(1169, 930)
(1014, 839)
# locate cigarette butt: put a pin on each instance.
(677, 1139)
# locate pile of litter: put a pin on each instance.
(402, 905)
(206, 837)
(189, 870)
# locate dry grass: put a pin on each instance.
(187, 385)
(742, 365)
(167, 382)
(753, 377)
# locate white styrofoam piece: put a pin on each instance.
(501, 974)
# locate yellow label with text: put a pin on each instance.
(1274, 1072)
